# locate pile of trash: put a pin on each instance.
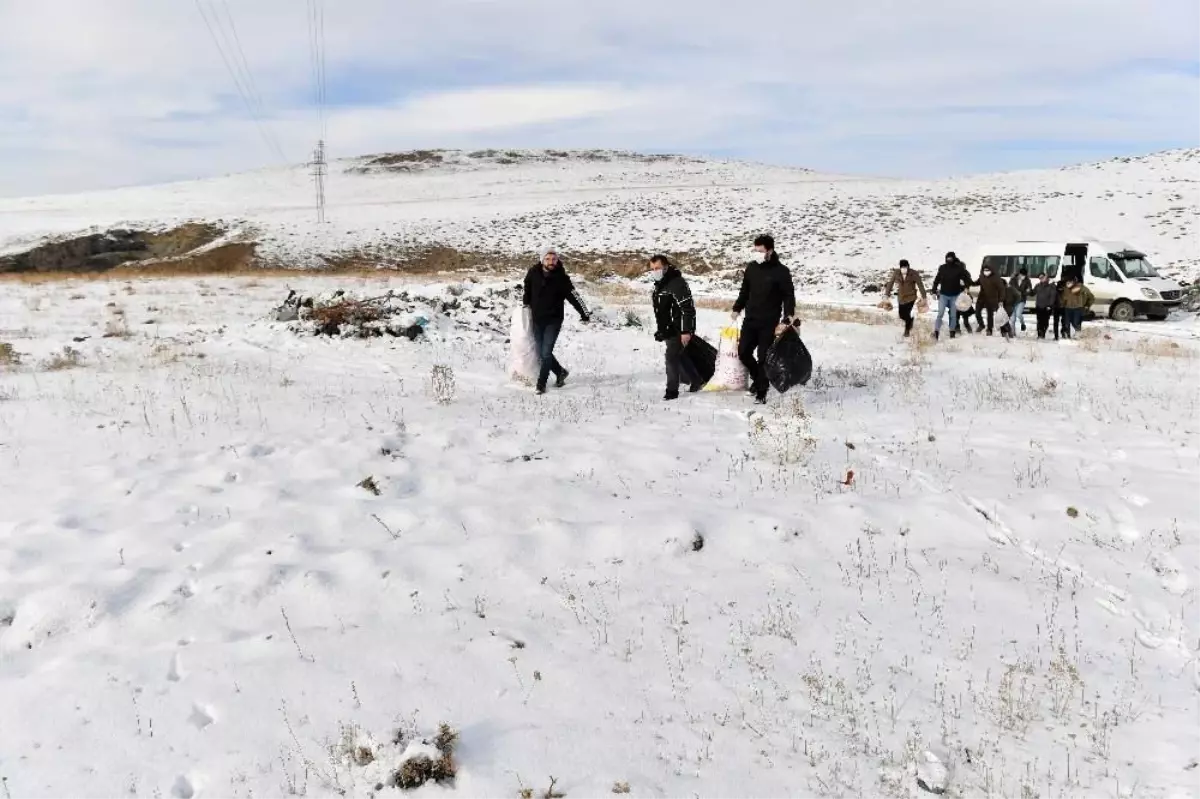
(441, 311)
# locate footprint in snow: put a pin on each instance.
(202, 716)
(1110, 607)
(1123, 521)
(1155, 625)
(932, 774)
(1136, 500)
(175, 672)
(1169, 572)
(183, 788)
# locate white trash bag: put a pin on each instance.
(963, 302)
(523, 361)
(1001, 318)
(730, 374)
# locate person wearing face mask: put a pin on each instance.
(1076, 299)
(1045, 305)
(909, 282)
(767, 297)
(1020, 282)
(547, 288)
(675, 323)
(991, 294)
(952, 279)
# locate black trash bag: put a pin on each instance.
(701, 357)
(788, 361)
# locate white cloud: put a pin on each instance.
(492, 108)
(95, 94)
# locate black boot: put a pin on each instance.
(694, 387)
(670, 395)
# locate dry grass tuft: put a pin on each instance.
(8, 355)
(840, 313)
(549, 793)
(441, 384)
(69, 358)
(1161, 348)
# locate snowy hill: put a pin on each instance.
(240, 562)
(501, 206)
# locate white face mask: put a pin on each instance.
(759, 257)
(655, 274)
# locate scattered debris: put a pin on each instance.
(368, 484)
(404, 314)
(1072, 511)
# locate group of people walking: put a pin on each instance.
(1063, 302)
(766, 305)
(767, 299)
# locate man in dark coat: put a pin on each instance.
(547, 288)
(675, 323)
(767, 297)
(1045, 305)
(1020, 282)
(951, 280)
(991, 295)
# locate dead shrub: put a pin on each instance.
(420, 769)
(331, 318)
(68, 358)
(8, 355)
(1047, 388)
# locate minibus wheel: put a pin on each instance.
(1122, 311)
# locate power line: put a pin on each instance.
(242, 84)
(247, 73)
(316, 41)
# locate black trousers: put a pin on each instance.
(1043, 321)
(906, 315)
(677, 366)
(991, 317)
(757, 337)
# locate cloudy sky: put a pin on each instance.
(100, 93)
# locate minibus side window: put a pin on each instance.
(999, 264)
(1102, 269)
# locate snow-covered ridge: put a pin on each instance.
(838, 230)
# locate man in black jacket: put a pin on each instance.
(675, 322)
(547, 287)
(952, 279)
(767, 295)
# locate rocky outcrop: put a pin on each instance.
(100, 252)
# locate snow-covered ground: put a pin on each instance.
(834, 229)
(969, 566)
